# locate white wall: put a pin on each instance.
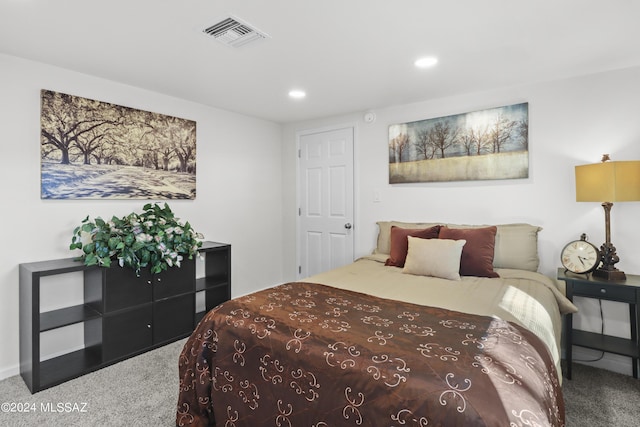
(571, 122)
(247, 191)
(239, 193)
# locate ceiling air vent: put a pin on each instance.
(233, 32)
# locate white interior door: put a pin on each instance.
(326, 201)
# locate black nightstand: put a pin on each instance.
(627, 291)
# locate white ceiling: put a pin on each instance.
(348, 55)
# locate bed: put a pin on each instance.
(442, 325)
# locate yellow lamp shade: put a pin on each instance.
(608, 182)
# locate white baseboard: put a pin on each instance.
(9, 372)
(611, 362)
(15, 370)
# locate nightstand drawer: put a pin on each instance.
(608, 292)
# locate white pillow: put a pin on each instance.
(434, 257)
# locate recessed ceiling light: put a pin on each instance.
(426, 62)
(297, 94)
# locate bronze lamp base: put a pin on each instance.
(612, 275)
(608, 255)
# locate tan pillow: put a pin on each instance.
(517, 247)
(434, 257)
(384, 234)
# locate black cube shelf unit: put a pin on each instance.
(123, 315)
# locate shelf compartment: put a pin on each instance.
(127, 332)
(71, 365)
(173, 317)
(67, 316)
(205, 283)
(216, 296)
(607, 343)
(175, 281)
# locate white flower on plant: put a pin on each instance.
(144, 237)
(148, 224)
(173, 258)
(178, 230)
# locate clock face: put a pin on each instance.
(580, 257)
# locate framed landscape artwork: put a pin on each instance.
(481, 145)
(97, 150)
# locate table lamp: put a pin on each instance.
(608, 182)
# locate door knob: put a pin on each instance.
(348, 226)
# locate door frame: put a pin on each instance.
(299, 134)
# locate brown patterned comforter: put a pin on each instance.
(303, 354)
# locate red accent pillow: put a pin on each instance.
(400, 244)
(477, 253)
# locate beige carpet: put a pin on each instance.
(599, 398)
(141, 391)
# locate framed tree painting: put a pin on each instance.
(97, 150)
(481, 145)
